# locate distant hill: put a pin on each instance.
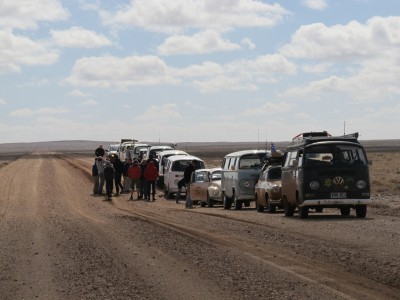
(196, 148)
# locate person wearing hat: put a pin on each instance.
(151, 175)
(99, 151)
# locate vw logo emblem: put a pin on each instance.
(338, 180)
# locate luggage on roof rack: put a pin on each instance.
(311, 134)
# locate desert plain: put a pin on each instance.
(59, 242)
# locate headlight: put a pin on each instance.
(215, 192)
(314, 185)
(361, 184)
(245, 184)
(276, 188)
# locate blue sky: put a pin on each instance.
(198, 71)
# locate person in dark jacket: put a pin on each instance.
(187, 176)
(151, 175)
(143, 181)
(99, 151)
(119, 169)
(95, 175)
(109, 177)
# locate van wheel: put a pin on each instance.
(259, 207)
(272, 209)
(237, 204)
(345, 211)
(289, 210)
(361, 211)
(203, 204)
(319, 209)
(303, 212)
(227, 202)
(247, 204)
(209, 201)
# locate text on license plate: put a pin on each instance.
(338, 195)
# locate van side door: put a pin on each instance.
(289, 177)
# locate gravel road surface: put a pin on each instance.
(59, 242)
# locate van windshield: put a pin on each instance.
(334, 154)
(252, 161)
(180, 165)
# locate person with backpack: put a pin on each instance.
(109, 174)
(134, 173)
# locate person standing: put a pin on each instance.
(151, 175)
(143, 181)
(99, 151)
(118, 169)
(109, 177)
(185, 182)
(95, 175)
(100, 168)
(127, 164)
(134, 173)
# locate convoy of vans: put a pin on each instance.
(316, 171)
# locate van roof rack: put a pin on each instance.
(306, 138)
(311, 134)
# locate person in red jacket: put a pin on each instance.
(134, 174)
(151, 175)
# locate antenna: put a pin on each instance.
(344, 128)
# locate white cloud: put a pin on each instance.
(178, 15)
(3, 102)
(77, 37)
(77, 93)
(365, 57)
(90, 102)
(28, 112)
(248, 43)
(25, 14)
(116, 72)
(17, 51)
(269, 108)
(315, 4)
(346, 43)
(164, 113)
(203, 42)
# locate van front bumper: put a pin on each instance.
(335, 202)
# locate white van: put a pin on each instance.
(240, 172)
(174, 169)
(162, 158)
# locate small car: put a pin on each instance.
(268, 192)
(206, 187)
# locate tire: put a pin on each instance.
(210, 202)
(227, 202)
(303, 212)
(237, 204)
(259, 207)
(203, 204)
(361, 211)
(246, 203)
(319, 209)
(272, 209)
(345, 211)
(289, 210)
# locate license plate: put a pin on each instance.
(338, 195)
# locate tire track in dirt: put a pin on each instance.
(324, 276)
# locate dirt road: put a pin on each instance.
(58, 242)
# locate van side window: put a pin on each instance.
(226, 163)
(291, 156)
(232, 164)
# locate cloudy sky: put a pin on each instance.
(198, 70)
